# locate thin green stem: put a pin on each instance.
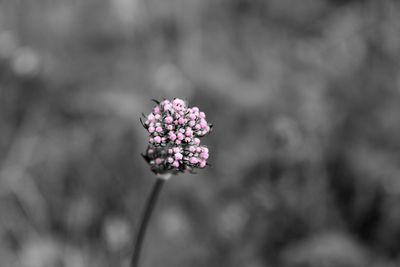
(150, 204)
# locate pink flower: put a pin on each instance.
(174, 137)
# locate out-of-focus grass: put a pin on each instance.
(304, 96)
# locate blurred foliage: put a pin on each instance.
(304, 96)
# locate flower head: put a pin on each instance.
(174, 137)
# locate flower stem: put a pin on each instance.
(150, 204)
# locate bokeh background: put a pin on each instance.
(305, 100)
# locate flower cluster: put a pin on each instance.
(174, 137)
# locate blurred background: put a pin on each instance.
(304, 97)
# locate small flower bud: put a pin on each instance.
(168, 120)
(188, 132)
(178, 156)
(156, 110)
(203, 164)
(172, 136)
(150, 117)
(175, 164)
(180, 136)
(193, 160)
(192, 116)
(204, 155)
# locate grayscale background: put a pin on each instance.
(305, 100)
